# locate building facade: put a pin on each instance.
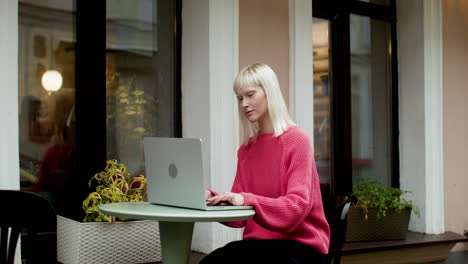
(220, 37)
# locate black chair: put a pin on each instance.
(336, 211)
(340, 229)
(31, 216)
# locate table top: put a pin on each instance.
(148, 211)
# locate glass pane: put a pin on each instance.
(371, 99)
(378, 2)
(140, 85)
(322, 86)
(46, 117)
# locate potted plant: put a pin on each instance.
(115, 185)
(101, 238)
(378, 212)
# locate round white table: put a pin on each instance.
(175, 224)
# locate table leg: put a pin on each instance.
(176, 241)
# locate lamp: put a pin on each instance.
(52, 81)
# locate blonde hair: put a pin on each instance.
(263, 76)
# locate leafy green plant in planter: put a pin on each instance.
(378, 212)
(373, 194)
(114, 185)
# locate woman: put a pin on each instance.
(276, 174)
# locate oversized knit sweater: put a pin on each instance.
(278, 177)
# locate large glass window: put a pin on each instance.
(370, 99)
(359, 106)
(46, 98)
(94, 79)
(140, 77)
(322, 98)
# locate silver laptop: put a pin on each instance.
(174, 171)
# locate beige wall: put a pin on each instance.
(455, 81)
(264, 37)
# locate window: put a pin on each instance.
(119, 66)
(140, 77)
(370, 99)
(46, 97)
(354, 60)
(322, 98)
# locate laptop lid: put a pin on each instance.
(174, 172)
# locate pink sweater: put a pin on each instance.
(278, 177)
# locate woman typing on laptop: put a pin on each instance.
(276, 174)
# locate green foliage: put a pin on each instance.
(373, 194)
(115, 185)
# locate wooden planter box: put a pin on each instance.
(99, 242)
(390, 227)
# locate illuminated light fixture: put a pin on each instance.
(52, 81)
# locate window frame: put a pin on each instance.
(338, 12)
(90, 110)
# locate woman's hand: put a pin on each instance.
(208, 194)
(228, 197)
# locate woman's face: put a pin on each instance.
(252, 100)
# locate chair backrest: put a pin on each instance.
(340, 232)
(22, 211)
(335, 212)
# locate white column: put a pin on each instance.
(224, 119)
(209, 108)
(301, 80)
(9, 153)
(434, 116)
(420, 113)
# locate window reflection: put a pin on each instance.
(322, 86)
(370, 99)
(57, 160)
(46, 117)
(140, 88)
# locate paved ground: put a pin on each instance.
(454, 258)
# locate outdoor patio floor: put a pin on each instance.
(460, 257)
(454, 258)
